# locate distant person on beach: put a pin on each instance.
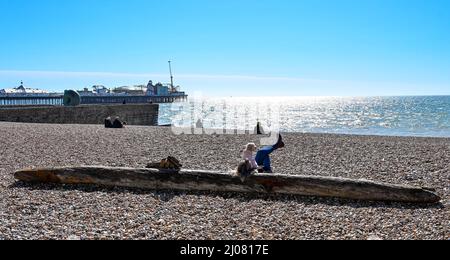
(261, 161)
(108, 122)
(116, 123)
(259, 129)
(199, 124)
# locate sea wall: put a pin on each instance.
(133, 114)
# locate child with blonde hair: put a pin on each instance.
(247, 154)
(261, 161)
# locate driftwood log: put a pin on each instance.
(192, 180)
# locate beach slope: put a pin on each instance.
(64, 212)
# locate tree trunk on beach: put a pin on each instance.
(193, 180)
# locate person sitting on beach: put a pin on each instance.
(118, 123)
(245, 169)
(109, 123)
(247, 155)
(263, 155)
(261, 161)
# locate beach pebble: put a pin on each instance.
(374, 237)
(73, 237)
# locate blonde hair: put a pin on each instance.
(250, 147)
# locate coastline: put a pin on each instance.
(46, 211)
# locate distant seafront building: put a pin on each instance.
(131, 90)
(23, 91)
(96, 90)
(23, 96)
(150, 89)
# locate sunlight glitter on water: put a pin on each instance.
(398, 116)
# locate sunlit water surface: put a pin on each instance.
(397, 116)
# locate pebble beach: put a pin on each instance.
(45, 211)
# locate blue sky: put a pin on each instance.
(232, 47)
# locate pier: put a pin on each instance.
(7, 100)
(57, 100)
(89, 100)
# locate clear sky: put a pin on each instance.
(230, 47)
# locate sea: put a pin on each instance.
(421, 116)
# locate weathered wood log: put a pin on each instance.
(193, 180)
